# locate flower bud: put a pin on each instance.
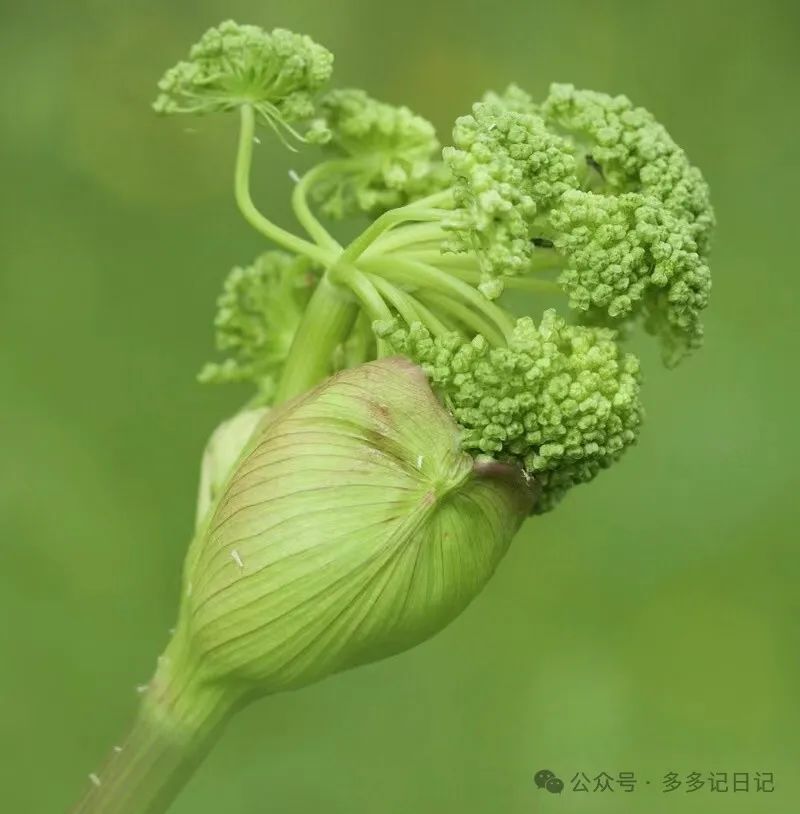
(352, 528)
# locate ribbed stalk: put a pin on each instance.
(178, 722)
(326, 323)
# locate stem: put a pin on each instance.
(403, 304)
(409, 308)
(359, 341)
(422, 209)
(371, 300)
(406, 236)
(329, 316)
(543, 260)
(180, 719)
(521, 283)
(302, 210)
(426, 276)
(435, 325)
(471, 319)
(326, 323)
(361, 285)
(440, 259)
(245, 203)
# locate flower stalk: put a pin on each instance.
(180, 718)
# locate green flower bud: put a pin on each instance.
(353, 527)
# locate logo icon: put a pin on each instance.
(545, 779)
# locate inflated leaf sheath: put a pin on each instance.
(353, 527)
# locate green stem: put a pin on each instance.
(361, 285)
(401, 302)
(408, 307)
(425, 276)
(440, 259)
(423, 210)
(179, 721)
(245, 203)
(406, 236)
(522, 283)
(370, 299)
(359, 341)
(543, 260)
(303, 211)
(435, 325)
(326, 323)
(469, 318)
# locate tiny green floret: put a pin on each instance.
(508, 171)
(382, 155)
(591, 187)
(276, 72)
(258, 312)
(634, 152)
(626, 255)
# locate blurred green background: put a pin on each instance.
(650, 624)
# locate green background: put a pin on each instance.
(650, 624)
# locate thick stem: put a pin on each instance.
(326, 323)
(179, 721)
